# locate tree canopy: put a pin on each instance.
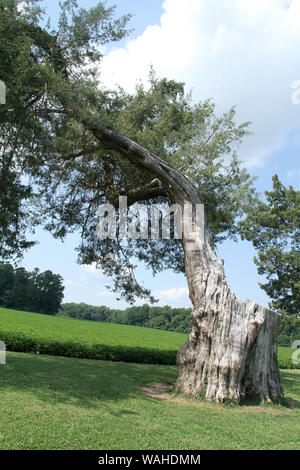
(163, 318)
(53, 169)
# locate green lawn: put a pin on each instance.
(64, 403)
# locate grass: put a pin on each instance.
(52, 402)
(62, 336)
(285, 359)
(285, 353)
(63, 328)
(25, 331)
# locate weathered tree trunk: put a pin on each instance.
(231, 352)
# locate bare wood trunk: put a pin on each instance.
(231, 352)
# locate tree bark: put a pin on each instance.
(231, 353)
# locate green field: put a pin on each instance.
(86, 331)
(25, 332)
(52, 402)
(33, 332)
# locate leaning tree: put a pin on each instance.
(79, 145)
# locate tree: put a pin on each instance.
(49, 288)
(138, 315)
(32, 291)
(19, 295)
(31, 68)
(7, 278)
(274, 229)
(93, 145)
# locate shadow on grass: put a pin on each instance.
(291, 384)
(80, 382)
(286, 402)
(290, 381)
(88, 383)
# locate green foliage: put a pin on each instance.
(274, 229)
(191, 138)
(289, 330)
(22, 343)
(285, 358)
(68, 175)
(33, 291)
(284, 340)
(35, 70)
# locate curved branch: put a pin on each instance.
(177, 186)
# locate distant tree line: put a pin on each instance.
(35, 291)
(163, 318)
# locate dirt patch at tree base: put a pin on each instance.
(166, 392)
(158, 391)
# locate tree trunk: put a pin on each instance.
(231, 352)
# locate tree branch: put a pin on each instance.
(72, 156)
(143, 193)
(176, 185)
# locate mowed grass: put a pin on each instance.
(52, 402)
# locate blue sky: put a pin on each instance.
(237, 52)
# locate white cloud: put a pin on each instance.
(173, 294)
(68, 298)
(92, 273)
(238, 52)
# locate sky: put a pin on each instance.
(238, 52)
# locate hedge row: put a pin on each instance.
(22, 343)
(287, 364)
